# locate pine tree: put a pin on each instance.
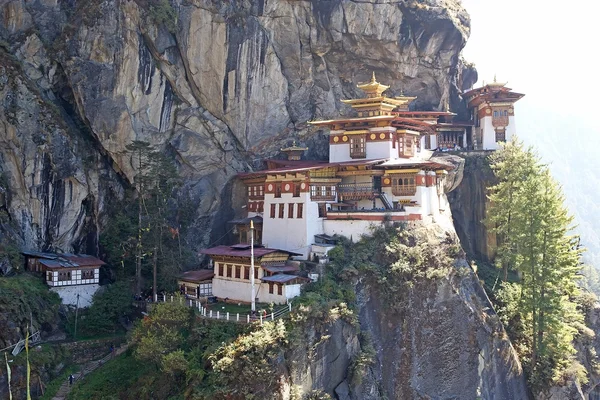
(156, 180)
(528, 214)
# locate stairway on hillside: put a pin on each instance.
(87, 368)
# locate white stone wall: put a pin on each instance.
(488, 140)
(68, 294)
(376, 150)
(352, 229)
(292, 291)
(339, 152)
(241, 291)
(511, 129)
(292, 234)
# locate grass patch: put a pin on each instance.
(114, 380)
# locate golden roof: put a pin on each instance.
(373, 88)
(294, 147)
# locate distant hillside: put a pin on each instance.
(571, 148)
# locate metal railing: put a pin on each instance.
(243, 318)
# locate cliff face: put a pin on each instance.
(216, 84)
(439, 338)
(468, 200)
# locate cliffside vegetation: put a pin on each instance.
(144, 234)
(184, 355)
(540, 309)
(25, 300)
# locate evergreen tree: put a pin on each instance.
(528, 212)
(155, 181)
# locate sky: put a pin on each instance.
(547, 50)
(544, 49)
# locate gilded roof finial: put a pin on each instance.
(373, 80)
(446, 106)
(494, 78)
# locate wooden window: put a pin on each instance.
(229, 271)
(271, 287)
(322, 210)
(221, 270)
(64, 276)
(296, 189)
(87, 274)
(300, 207)
(500, 136)
(256, 272)
(278, 190)
(404, 185)
(281, 207)
(291, 210)
(428, 142)
(272, 210)
(49, 276)
(408, 146)
(323, 192)
(279, 289)
(238, 272)
(247, 273)
(358, 146)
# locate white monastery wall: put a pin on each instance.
(68, 294)
(511, 129)
(241, 291)
(352, 229)
(489, 135)
(339, 152)
(291, 291)
(276, 231)
(377, 150)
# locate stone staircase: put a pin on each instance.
(87, 368)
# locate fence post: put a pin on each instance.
(190, 302)
(156, 297)
(248, 318)
(227, 316)
(211, 313)
(261, 319)
(290, 306)
(171, 298)
(272, 316)
(238, 317)
(199, 308)
(218, 314)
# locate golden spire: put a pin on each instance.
(446, 106)
(373, 88)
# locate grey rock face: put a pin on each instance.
(468, 202)
(445, 343)
(227, 85)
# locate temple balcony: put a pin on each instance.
(357, 191)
